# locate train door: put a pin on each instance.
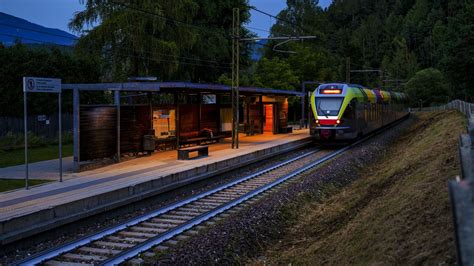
(269, 118)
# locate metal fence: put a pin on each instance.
(41, 125)
(464, 107)
(461, 190)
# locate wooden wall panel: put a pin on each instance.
(188, 120)
(282, 113)
(210, 117)
(98, 132)
(255, 114)
(134, 124)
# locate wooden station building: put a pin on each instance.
(172, 114)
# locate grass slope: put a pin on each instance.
(398, 214)
(17, 157)
(11, 184)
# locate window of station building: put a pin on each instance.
(164, 123)
(208, 99)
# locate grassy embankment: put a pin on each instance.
(398, 214)
(11, 184)
(36, 154)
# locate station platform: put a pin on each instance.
(27, 212)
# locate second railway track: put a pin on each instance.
(165, 226)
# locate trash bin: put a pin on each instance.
(149, 143)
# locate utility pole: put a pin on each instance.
(235, 76)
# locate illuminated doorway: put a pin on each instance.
(268, 118)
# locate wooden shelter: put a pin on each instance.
(174, 114)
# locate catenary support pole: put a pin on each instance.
(235, 76)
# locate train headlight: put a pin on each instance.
(317, 121)
(338, 121)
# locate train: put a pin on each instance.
(346, 112)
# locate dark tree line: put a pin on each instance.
(399, 37)
(428, 46)
(40, 61)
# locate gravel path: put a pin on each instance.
(245, 233)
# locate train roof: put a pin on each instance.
(369, 94)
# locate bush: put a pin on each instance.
(12, 141)
(428, 86)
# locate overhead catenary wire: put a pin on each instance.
(276, 17)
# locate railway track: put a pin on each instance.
(164, 227)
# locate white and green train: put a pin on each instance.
(345, 112)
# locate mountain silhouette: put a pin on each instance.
(14, 29)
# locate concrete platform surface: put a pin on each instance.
(44, 170)
(27, 212)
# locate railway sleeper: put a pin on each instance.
(196, 209)
(160, 225)
(162, 221)
(208, 205)
(65, 263)
(152, 230)
(160, 248)
(114, 245)
(185, 213)
(137, 234)
(131, 240)
(86, 258)
(215, 200)
(99, 251)
(177, 217)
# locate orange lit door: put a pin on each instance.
(268, 127)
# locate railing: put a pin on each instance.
(461, 190)
(464, 107)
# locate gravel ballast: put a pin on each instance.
(244, 234)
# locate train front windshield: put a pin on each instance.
(328, 106)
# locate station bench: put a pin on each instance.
(183, 154)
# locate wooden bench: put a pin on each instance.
(183, 154)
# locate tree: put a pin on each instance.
(275, 73)
(428, 86)
(19, 60)
(181, 39)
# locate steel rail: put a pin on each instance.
(144, 246)
(135, 251)
(51, 253)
